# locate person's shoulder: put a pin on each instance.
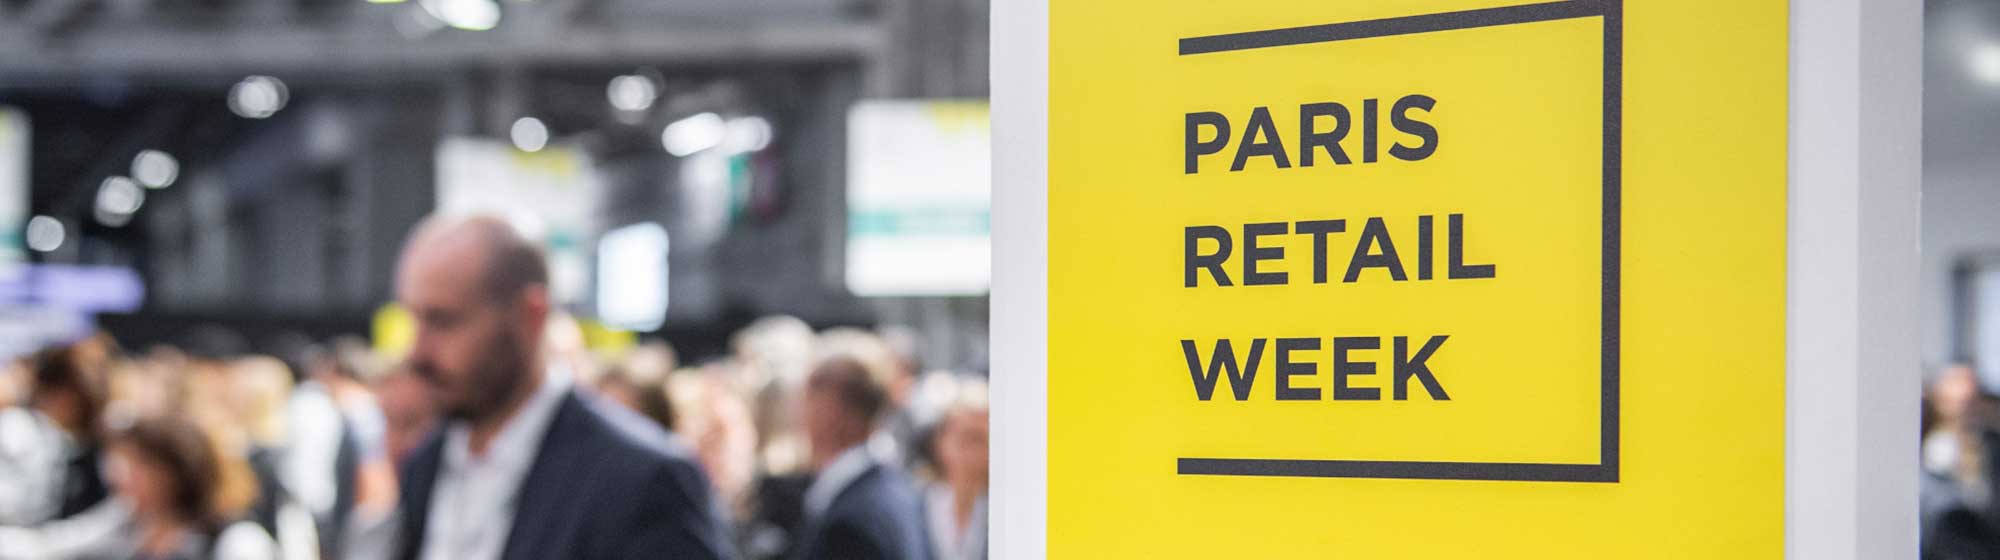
(659, 486)
(882, 508)
(893, 481)
(639, 450)
(882, 491)
(631, 433)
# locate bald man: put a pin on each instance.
(523, 465)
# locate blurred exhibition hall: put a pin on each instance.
(444, 279)
(266, 268)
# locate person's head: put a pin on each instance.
(344, 359)
(1953, 393)
(166, 468)
(407, 410)
(961, 438)
(644, 394)
(479, 295)
(155, 383)
(258, 388)
(770, 359)
(565, 344)
(776, 349)
(70, 390)
(654, 360)
(715, 419)
(844, 397)
(905, 347)
(14, 376)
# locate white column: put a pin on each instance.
(1018, 515)
(1852, 366)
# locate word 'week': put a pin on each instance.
(1408, 364)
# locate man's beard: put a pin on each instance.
(495, 380)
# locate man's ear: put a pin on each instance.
(534, 309)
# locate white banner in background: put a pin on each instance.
(548, 195)
(14, 146)
(919, 188)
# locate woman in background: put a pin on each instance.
(166, 471)
(164, 474)
(955, 505)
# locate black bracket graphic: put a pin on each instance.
(1606, 468)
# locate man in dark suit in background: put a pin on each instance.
(858, 507)
(525, 467)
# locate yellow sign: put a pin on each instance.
(394, 331)
(1416, 279)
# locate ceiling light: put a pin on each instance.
(632, 93)
(530, 135)
(1986, 63)
(693, 134)
(258, 97)
(155, 169)
(747, 134)
(45, 234)
(470, 15)
(117, 199)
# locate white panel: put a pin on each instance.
(1020, 279)
(14, 150)
(919, 182)
(632, 277)
(1852, 371)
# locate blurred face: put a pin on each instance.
(473, 348)
(1955, 392)
(141, 480)
(830, 428)
(727, 442)
(961, 449)
(12, 376)
(407, 408)
(62, 406)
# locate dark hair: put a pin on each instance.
(63, 369)
(652, 393)
(189, 458)
(655, 404)
(860, 389)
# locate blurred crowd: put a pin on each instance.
(1961, 434)
(798, 444)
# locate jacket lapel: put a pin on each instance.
(545, 500)
(816, 522)
(419, 477)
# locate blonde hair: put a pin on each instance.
(261, 387)
(971, 396)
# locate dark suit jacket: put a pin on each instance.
(601, 487)
(875, 517)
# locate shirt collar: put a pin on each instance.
(516, 444)
(948, 539)
(836, 477)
